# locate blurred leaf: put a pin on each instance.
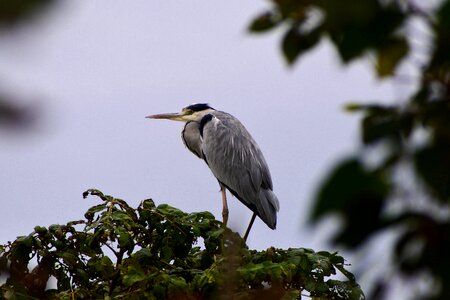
(354, 107)
(390, 54)
(443, 15)
(412, 129)
(425, 240)
(14, 116)
(356, 26)
(264, 22)
(355, 194)
(433, 165)
(435, 115)
(295, 43)
(383, 123)
(14, 11)
(439, 65)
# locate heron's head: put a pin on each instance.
(189, 113)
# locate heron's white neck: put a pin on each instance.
(198, 115)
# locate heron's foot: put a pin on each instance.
(225, 216)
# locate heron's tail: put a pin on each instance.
(268, 207)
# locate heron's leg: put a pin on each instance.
(249, 226)
(224, 206)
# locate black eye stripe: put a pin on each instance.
(198, 107)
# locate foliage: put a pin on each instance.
(14, 14)
(353, 26)
(414, 133)
(150, 253)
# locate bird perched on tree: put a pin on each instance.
(233, 157)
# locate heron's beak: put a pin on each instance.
(169, 116)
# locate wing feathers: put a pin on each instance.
(238, 163)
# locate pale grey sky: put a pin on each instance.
(97, 68)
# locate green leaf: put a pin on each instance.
(383, 123)
(26, 241)
(292, 295)
(97, 208)
(144, 256)
(106, 266)
(264, 22)
(356, 26)
(22, 250)
(296, 43)
(357, 195)
(126, 241)
(439, 65)
(93, 192)
(159, 291)
(177, 285)
(148, 204)
(40, 230)
(13, 12)
(166, 253)
(390, 54)
(120, 216)
(93, 264)
(69, 258)
(133, 275)
(433, 165)
(82, 275)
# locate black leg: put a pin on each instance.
(249, 226)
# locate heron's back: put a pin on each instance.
(238, 163)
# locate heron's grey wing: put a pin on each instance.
(191, 138)
(237, 162)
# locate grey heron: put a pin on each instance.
(233, 156)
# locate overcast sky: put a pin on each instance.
(97, 68)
